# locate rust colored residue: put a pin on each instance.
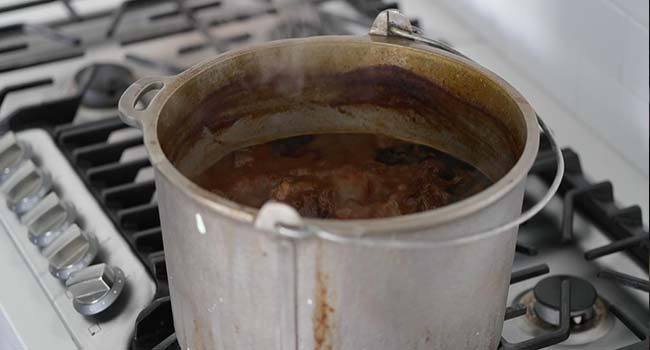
(254, 94)
(400, 89)
(197, 341)
(322, 318)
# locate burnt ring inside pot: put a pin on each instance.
(329, 85)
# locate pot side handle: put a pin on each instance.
(129, 110)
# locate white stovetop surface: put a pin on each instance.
(600, 160)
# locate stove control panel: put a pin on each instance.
(68, 257)
(48, 219)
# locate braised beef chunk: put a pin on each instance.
(344, 176)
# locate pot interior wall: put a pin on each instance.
(330, 85)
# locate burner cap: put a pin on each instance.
(107, 85)
(547, 295)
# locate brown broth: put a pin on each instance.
(343, 176)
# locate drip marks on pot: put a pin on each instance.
(197, 341)
(322, 317)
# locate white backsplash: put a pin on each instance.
(591, 55)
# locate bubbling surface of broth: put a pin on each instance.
(343, 176)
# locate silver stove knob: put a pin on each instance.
(95, 288)
(12, 153)
(25, 188)
(72, 251)
(48, 219)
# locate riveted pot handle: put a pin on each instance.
(130, 112)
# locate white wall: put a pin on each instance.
(591, 55)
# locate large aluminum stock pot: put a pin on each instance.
(242, 278)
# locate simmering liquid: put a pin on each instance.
(343, 176)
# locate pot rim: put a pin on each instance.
(148, 121)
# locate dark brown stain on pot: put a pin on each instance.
(322, 317)
(255, 95)
(428, 336)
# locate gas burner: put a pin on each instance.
(590, 318)
(547, 300)
(105, 84)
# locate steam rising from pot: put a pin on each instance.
(295, 19)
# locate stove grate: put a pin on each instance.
(129, 203)
(43, 43)
(31, 3)
(596, 202)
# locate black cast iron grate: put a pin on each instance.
(596, 202)
(129, 204)
(135, 21)
(43, 43)
(623, 225)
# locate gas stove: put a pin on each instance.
(80, 243)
